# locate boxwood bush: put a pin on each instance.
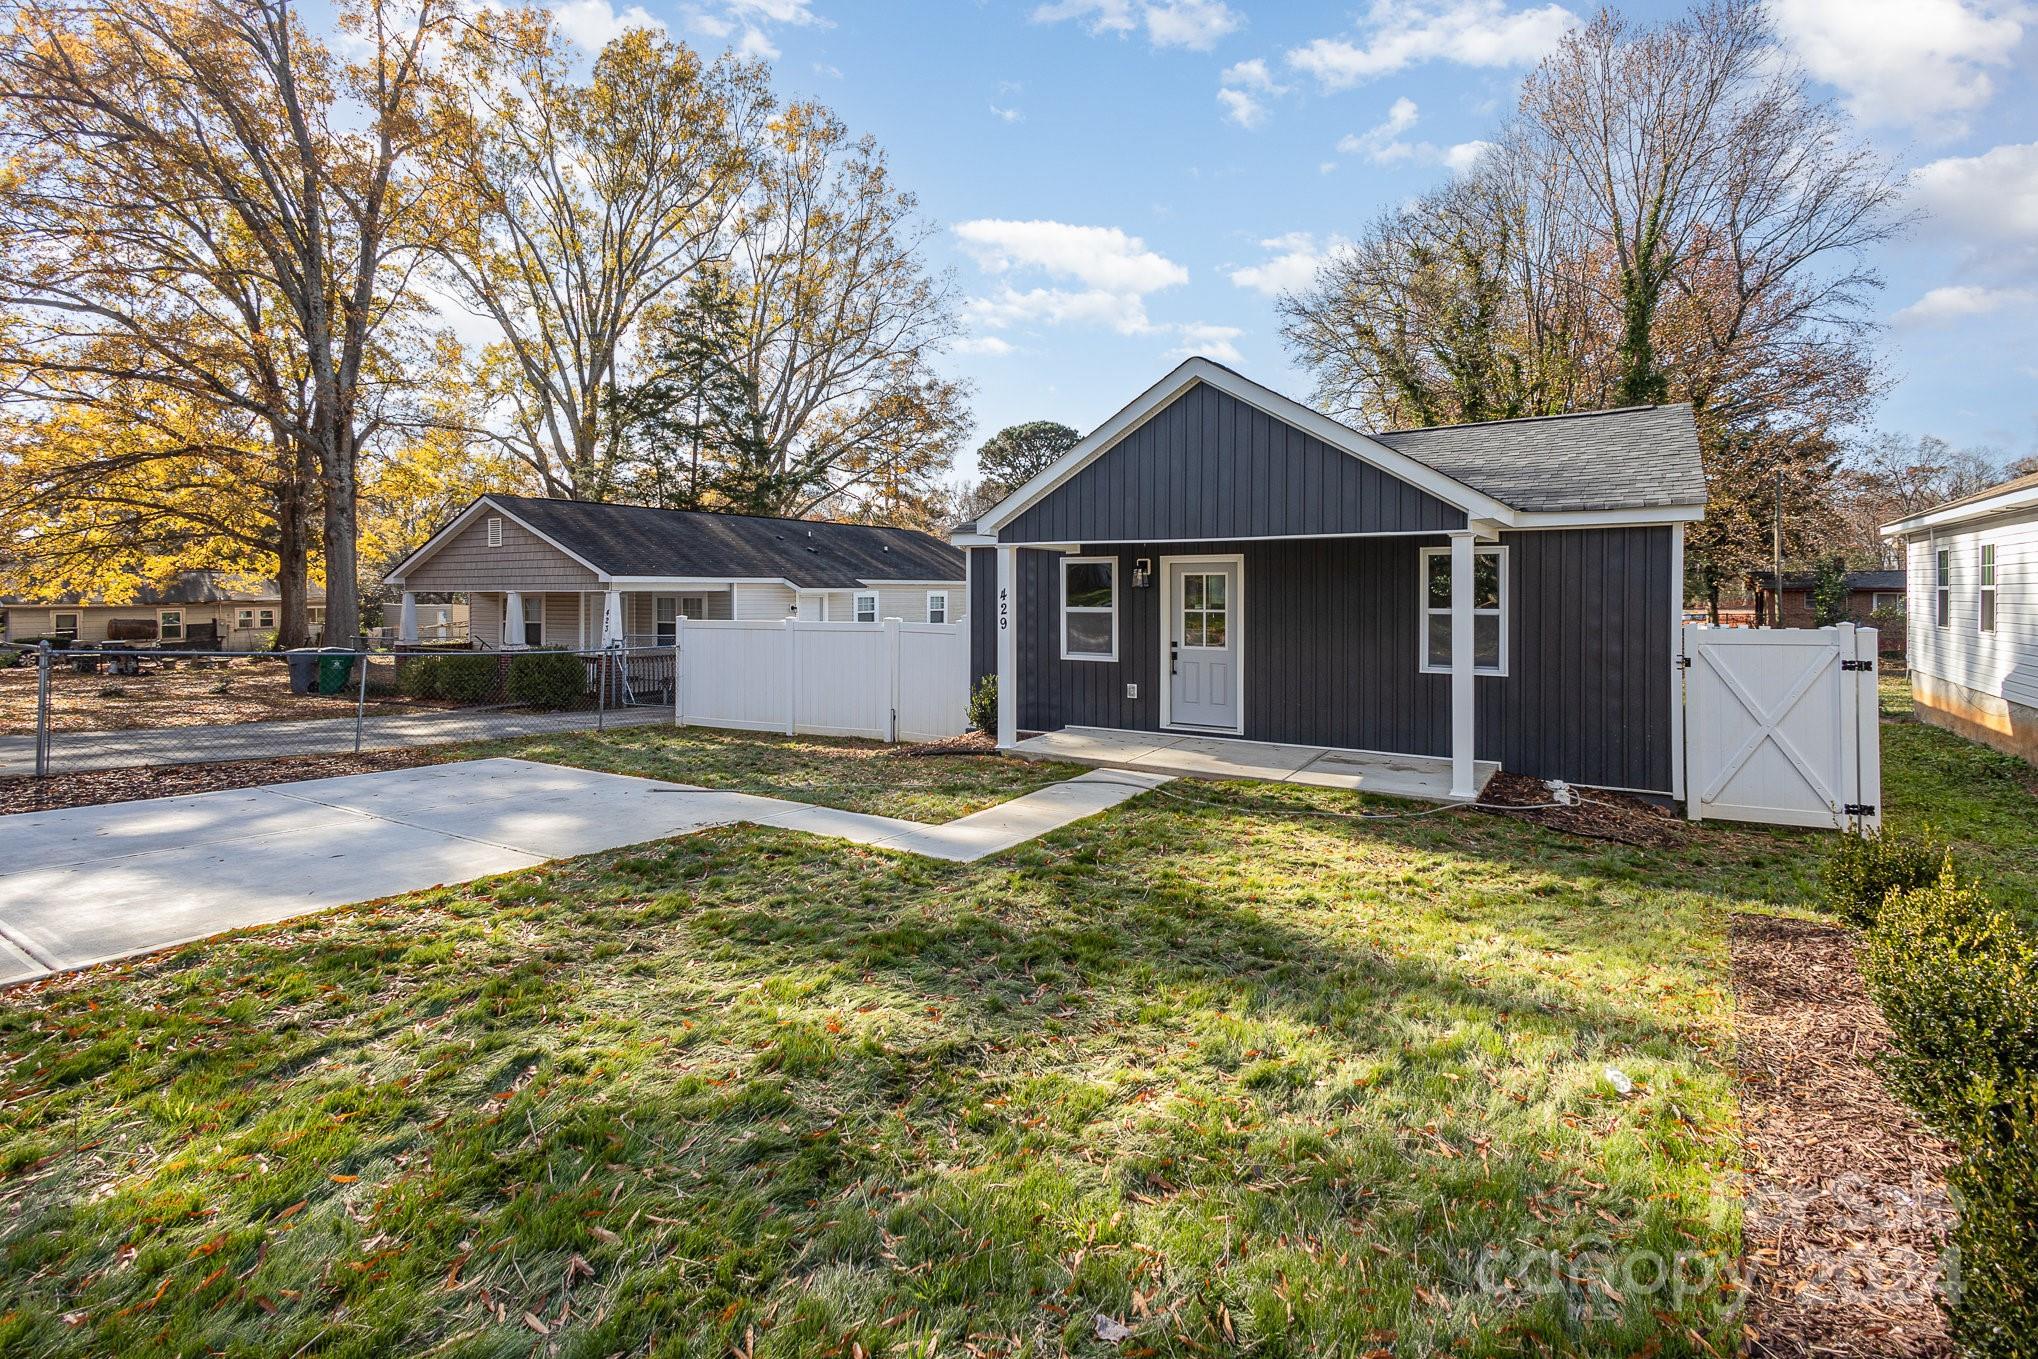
(1863, 869)
(983, 706)
(547, 679)
(457, 678)
(1957, 977)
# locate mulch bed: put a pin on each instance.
(89, 788)
(969, 743)
(1846, 1207)
(1599, 815)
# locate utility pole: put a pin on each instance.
(1776, 594)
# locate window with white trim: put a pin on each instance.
(1089, 608)
(244, 620)
(863, 607)
(169, 625)
(64, 625)
(494, 531)
(1943, 584)
(533, 620)
(937, 606)
(268, 617)
(1489, 610)
(665, 620)
(1988, 587)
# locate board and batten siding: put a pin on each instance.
(1208, 466)
(2002, 664)
(1330, 636)
(524, 562)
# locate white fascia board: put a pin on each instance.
(1194, 370)
(468, 516)
(972, 540)
(906, 584)
(1654, 515)
(696, 583)
(2007, 503)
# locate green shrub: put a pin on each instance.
(983, 706)
(475, 677)
(9, 658)
(547, 679)
(1861, 870)
(421, 677)
(1994, 1308)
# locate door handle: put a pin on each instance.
(1173, 649)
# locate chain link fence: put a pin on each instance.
(71, 709)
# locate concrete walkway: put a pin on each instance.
(1217, 757)
(86, 885)
(76, 750)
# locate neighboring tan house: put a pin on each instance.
(199, 611)
(1974, 614)
(576, 574)
(1218, 559)
(1867, 591)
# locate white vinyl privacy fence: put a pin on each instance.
(888, 681)
(1780, 726)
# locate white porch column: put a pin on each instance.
(1008, 646)
(612, 619)
(512, 619)
(1464, 782)
(407, 621)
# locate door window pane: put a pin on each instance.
(1213, 628)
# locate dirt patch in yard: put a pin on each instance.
(92, 787)
(185, 689)
(1599, 815)
(1846, 1208)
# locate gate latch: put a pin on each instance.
(1859, 809)
(1858, 665)
(1684, 662)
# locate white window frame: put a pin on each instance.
(941, 595)
(1942, 586)
(1985, 558)
(856, 606)
(494, 530)
(266, 618)
(244, 620)
(57, 628)
(523, 634)
(665, 631)
(1062, 620)
(1424, 611)
(166, 620)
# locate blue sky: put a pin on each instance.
(1116, 183)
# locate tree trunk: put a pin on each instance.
(293, 569)
(341, 539)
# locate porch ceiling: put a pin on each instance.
(1426, 777)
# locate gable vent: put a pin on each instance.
(494, 532)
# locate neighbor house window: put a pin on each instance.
(937, 606)
(1943, 582)
(494, 532)
(534, 621)
(1489, 610)
(64, 625)
(1988, 587)
(244, 619)
(170, 625)
(1089, 608)
(268, 617)
(865, 608)
(666, 621)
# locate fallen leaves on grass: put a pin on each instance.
(88, 788)
(1846, 1202)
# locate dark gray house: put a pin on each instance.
(1218, 559)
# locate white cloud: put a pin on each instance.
(989, 345)
(1469, 32)
(1993, 196)
(1382, 142)
(1008, 307)
(1960, 301)
(1252, 74)
(1463, 156)
(1210, 341)
(752, 21)
(594, 24)
(1005, 115)
(1292, 267)
(1196, 24)
(1099, 257)
(1242, 108)
(755, 45)
(1903, 61)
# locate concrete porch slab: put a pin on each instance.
(1424, 777)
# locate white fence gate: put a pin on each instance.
(888, 681)
(1780, 726)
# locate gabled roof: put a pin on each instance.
(189, 587)
(1639, 464)
(640, 541)
(2015, 494)
(1632, 458)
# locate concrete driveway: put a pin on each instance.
(84, 885)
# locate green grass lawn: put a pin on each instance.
(1240, 1080)
(857, 776)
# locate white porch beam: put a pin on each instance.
(407, 620)
(1464, 781)
(1008, 647)
(612, 618)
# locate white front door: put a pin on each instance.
(1202, 625)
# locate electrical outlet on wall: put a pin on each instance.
(1132, 691)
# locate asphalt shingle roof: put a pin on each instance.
(1856, 580)
(1637, 457)
(637, 540)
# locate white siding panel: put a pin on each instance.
(2005, 662)
(763, 603)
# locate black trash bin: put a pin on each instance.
(303, 662)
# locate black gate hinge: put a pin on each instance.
(1859, 809)
(1858, 665)
(1684, 662)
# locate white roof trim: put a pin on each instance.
(906, 584)
(462, 520)
(2024, 497)
(1187, 374)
